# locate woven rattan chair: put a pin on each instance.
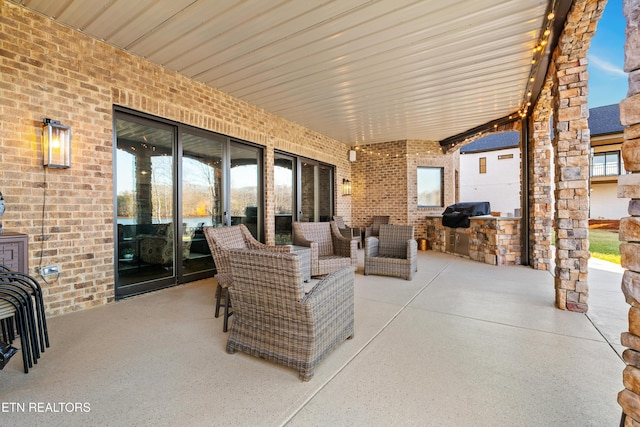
(393, 253)
(220, 240)
(353, 233)
(374, 228)
(330, 250)
(275, 320)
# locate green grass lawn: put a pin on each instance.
(604, 244)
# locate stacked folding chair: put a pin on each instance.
(22, 313)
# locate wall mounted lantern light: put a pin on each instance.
(56, 144)
(346, 187)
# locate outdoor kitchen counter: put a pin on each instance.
(489, 239)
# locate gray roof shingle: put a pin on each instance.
(494, 141)
(605, 120)
(602, 121)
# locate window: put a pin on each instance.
(505, 156)
(483, 165)
(304, 191)
(606, 164)
(430, 187)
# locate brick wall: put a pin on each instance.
(384, 181)
(48, 70)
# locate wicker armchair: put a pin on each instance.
(275, 320)
(374, 228)
(393, 253)
(330, 250)
(353, 233)
(220, 240)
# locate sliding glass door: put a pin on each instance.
(284, 178)
(171, 181)
(245, 204)
(201, 197)
(146, 226)
(316, 192)
(303, 191)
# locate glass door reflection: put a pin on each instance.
(145, 201)
(245, 188)
(316, 192)
(284, 179)
(201, 198)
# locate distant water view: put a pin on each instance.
(190, 222)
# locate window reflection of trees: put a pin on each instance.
(243, 188)
(201, 190)
(162, 188)
(283, 190)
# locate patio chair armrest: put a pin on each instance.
(334, 289)
(346, 232)
(371, 247)
(412, 249)
(301, 241)
(271, 248)
(224, 279)
(342, 244)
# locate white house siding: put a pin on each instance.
(500, 186)
(604, 203)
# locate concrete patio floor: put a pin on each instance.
(462, 344)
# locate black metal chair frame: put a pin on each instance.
(21, 325)
(24, 294)
(33, 287)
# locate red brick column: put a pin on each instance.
(629, 186)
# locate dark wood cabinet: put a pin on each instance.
(14, 251)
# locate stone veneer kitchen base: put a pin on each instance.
(492, 240)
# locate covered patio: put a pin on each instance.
(464, 343)
(404, 84)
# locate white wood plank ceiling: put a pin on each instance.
(360, 71)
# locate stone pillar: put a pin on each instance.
(572, 186)
(144, 199)
(572, 149)
(629, 186)
(540, 196)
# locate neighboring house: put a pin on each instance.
(490, 167)
(606, 163)
(490, 171)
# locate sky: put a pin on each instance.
(607, 80)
